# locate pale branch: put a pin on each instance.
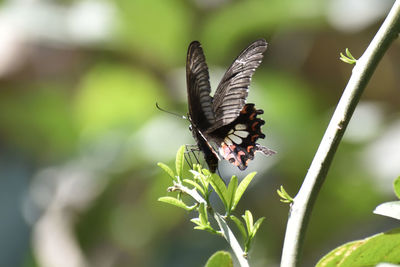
(303, 202)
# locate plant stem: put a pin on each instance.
(231, 239)
(303, 202)
(191, 192)
(223, 226)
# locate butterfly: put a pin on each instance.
(224, 126)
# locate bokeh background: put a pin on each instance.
(80, 135)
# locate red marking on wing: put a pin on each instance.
(254, 125)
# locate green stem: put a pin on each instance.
(231, 239)
(224, 227)
(303, 202)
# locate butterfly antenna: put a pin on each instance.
(169, 112)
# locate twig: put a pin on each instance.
(223, 226)
(362, 72)
(231, 239)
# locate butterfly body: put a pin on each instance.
(224, 125)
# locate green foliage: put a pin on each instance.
(285, 197)
(168, 170)
(220, 259)
(179, 162)
(396, 186)
(229, 195)
(242, 187)
(349, 59)
(251, 228)
(384, 247)
(176, 202)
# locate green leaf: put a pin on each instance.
(206, 172)
(248, 218)
(203, 214)
(396, 185)
(220, 259)
(198, 222)
(242, 187)
(285, 197)
(389, 209)
(383, 247)
(233, 184)
(196, 185)
(256, 226)
(239, 225)
(179, 161)
(175, 202)
(168, 170)
(348, 58)
(220, 188)
(201, 178)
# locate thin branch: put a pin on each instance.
(231, 239)
(301, 209)
(191, 192)
(223, 226)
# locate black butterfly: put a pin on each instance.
(225, 125)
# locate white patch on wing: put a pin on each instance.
(228, 141)
(230, 131)
(242, 134)
(240, 127)
(235, 139)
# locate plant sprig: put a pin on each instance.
(348, 58)
(199, 187)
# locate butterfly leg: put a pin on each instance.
(265, 150)
(191, 150)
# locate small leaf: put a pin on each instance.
(242, 187)
(383, 247)
(233, 184)
(348, 58)
(179, 161)
(248, 218)
(285, 197)
(175, 202)
(256, 226)
(206, 172)
(396, 185)
(203, 214)
(198, 176)
(197, 221)
(220, 259)
(389, 209)
(220, 188)
(239, 225)
(168, 170)
(196, 185)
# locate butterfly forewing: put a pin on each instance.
(198, 86)
(230, 96)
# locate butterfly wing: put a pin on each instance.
(200, 102)
(230, 96)
(198, 87)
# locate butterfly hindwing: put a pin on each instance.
(239, 143)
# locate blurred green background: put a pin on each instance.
(80, 135)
